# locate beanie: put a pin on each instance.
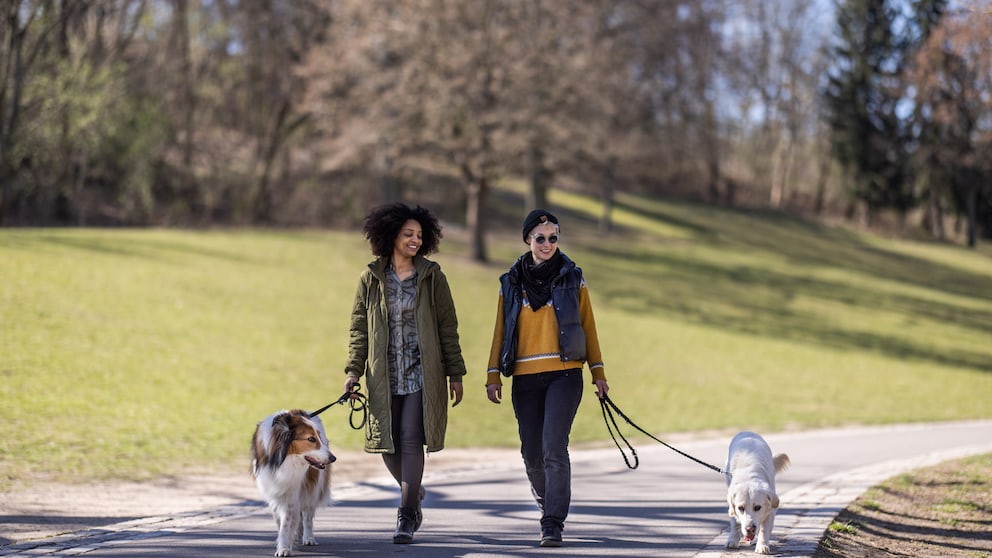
(535, 218)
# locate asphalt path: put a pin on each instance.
(668, 506)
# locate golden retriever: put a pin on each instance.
(751, 492)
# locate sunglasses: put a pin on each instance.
(553, 239)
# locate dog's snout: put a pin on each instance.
(331, 457)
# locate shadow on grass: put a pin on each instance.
(896, 531)
(144, 244)
(135, 246)
(748, 298)
(644, 274)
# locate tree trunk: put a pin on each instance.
(609, 187)
(10, 104)
(387, 186)
(972, 201)
(936, 213)
(476, 189)
(782, 176)
(540, 175)
(821, 182)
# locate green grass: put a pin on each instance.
(871, 505)
(838, 527)
(131, 353)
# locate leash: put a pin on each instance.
(356, 400)
(609, 407)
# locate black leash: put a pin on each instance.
(356, 400)
(609, 407)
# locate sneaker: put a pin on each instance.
(550, 535)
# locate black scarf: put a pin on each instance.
(536, 278)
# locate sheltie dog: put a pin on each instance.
(291, 462)
(751, 495)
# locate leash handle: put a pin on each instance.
(608, 418)
(356, 400)
(607, 401)
(358, 404)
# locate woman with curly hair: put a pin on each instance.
(404, 342)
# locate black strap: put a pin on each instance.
(609, 407)
(356, 400)
(609, 418)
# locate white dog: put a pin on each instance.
(291, 467)
(751, 492)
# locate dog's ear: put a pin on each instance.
(730, 503)
(282, 437)
(257, 451)
(775, 501)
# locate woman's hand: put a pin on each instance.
(495, 393)
(602, 388)
(351, 381)
(455, 391)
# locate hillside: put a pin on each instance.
(155, 351)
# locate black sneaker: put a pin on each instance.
(550, 535)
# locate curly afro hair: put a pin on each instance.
(383, 224)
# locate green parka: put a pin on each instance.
(440, 352)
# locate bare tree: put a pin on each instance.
(774, 59)
(953, 75)
(440, 85)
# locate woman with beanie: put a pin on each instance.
(544, 332)
(404, 341)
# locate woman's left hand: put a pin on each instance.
(602, 388)
(455, 390)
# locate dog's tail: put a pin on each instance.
(781, 462)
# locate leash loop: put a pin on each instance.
(609, 418)
(356, 400)
(609, 407)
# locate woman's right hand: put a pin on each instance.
(495, 392)
(351, 381)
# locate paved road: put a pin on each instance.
(669, 506)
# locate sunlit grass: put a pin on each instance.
(128, 353)
(849, 528)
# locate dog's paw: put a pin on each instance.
(762, 549)
(733, 541)
(309, 541)
(284, 552)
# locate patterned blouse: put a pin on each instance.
(405, 373)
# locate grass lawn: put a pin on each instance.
(131, 353)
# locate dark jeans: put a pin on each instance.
(545, 405)
(406, 464)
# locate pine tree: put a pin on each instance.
(866, 95)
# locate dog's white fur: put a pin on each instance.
(751, 494)
(291, 467)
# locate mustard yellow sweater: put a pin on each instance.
(538, 347)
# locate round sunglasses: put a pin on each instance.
(553, 239)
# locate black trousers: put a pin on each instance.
(545, 405)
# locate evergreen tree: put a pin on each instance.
(867, 98)
(862, 97)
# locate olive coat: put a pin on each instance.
(440, 351)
